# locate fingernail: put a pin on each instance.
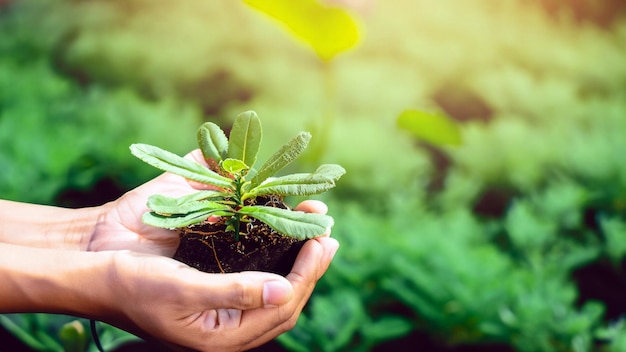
(334, 250)
(276, 293)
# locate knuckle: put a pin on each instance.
(243, 295)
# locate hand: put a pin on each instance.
(122, 282)
(182, 307)
(157, 297)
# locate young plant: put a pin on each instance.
(237, 184)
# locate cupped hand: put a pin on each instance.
(159, 298)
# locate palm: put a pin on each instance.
(121, 226)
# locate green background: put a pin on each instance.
(494, 221)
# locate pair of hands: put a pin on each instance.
(162, 298)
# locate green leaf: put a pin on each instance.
(245, 138)
(212, 141)
(234, 166)
(170, 162)
(320, 181)
(285, 155)
(328, 30)
(432, 128)
(199, 195)
(178, 221)
(164, 205)
(291, 223)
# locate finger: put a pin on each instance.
(311, 263)
(196, 155)
(331, 246)
(312, 206)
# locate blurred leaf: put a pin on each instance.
(386, 328)
(330, 324)
(614, 230)
(528, 230)
(73, 336)
(328, 30)
(112, 338)
(430, 127)
(18, 325)
(613, 336)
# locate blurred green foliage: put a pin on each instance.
(514, 238)
(56, 134)
(60, 333)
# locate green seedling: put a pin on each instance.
(237, 183)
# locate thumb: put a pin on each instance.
(246, 290)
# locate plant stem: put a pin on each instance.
(236, 222)
(236, 219)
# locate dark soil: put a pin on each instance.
(209, 248)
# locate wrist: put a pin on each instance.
(55, 281)
(45, 226)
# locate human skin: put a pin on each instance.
(103, 263)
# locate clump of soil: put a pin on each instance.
(209, 248)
